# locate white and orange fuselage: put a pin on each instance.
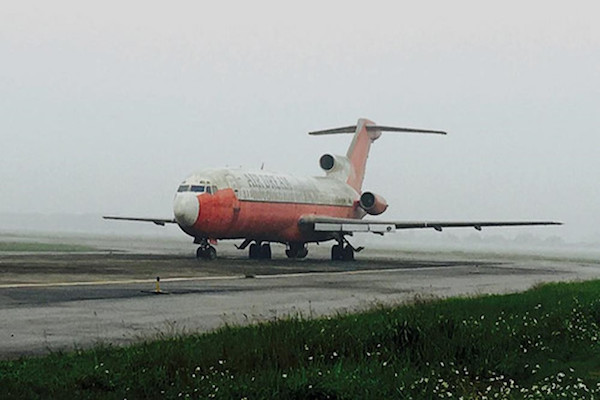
(260, 205)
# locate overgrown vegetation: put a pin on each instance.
(541, 344)
(50, 247)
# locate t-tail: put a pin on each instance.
(365, 133)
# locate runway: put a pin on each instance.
(52, 302)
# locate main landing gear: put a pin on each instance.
(343, 251)
(205, 251)
(259, 251)
(262, 251)
(296, 250)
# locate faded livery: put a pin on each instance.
(233, 204)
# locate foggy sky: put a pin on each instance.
(106, 107)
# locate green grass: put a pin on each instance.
(50, 247)
(541, 344)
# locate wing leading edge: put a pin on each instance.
(331, 224)
(157, 221)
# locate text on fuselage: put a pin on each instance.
(267, 181)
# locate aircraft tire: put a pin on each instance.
(296, 250)
(302, 253)
(336, 252)
(265, 251)
(254, 252)
(291, 253)
(200, 253)
(348, 254)
(210, 253)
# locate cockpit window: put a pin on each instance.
(203, 187)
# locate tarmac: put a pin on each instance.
(53, 302)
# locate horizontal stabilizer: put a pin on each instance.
(372, 128)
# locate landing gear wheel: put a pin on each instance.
(254, 252)
(336, 252)
(296, 250)
(291, 253)
(348, 253)
(206, 253)
(302, 253)
(210, 253)
(339, 252)
(265, 251)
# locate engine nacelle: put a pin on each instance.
(330, 163)
(372, 203)
(338, 166)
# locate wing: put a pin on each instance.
(157, 221)
(347, 225)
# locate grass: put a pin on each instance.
(41, 247)
(541, 344)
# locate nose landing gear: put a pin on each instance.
(205, 251)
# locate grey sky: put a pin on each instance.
(105, 108)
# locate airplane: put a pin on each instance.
(261, 207)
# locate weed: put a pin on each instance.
(540, 344)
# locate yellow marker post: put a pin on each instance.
(156, 289)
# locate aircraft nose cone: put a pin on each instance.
(186, 209)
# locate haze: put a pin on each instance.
(105, 107)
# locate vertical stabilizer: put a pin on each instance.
(358, 152)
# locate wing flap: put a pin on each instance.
(353, 227)
(332, 224)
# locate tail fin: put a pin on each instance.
(365, 133)
(358, 152)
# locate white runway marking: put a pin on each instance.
(120, 282)
(217, 278)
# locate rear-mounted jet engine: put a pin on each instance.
(373, 203)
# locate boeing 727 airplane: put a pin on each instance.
(262, 207)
